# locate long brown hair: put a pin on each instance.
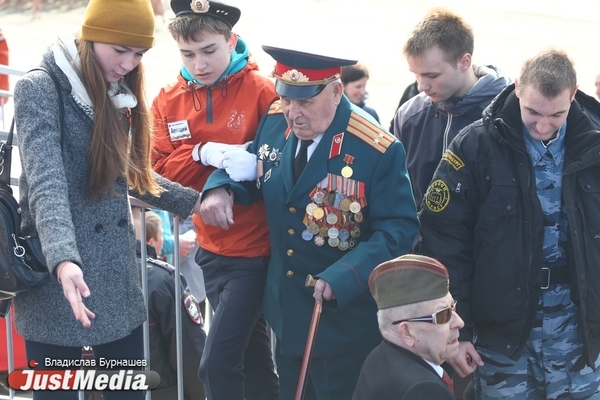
(116, 152)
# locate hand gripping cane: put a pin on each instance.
(310, 343)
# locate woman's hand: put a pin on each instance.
(75, 289)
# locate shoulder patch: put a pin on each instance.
(275, 108)
(370, 133)
(192, 308)
(453, 160)
(437, 197)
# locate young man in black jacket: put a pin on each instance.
(512, 211)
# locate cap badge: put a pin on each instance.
(294, 76)
(200, 6)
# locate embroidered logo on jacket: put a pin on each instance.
(237, 122)
(437, 197)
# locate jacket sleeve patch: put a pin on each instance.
(437, 197)
(192, 308)
(453, 160)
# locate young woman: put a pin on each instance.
(74, 189)
(354, 78)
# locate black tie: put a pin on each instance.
(301, 159)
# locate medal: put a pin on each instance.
(263, 151)
(323, 231)
(318, 197)
(313, 228)
(344, 234)
(355, 207)
(333, 242)
(333, 233)
(319, 240)
(345, 204)
(275, 156)
(347, 170)
(343, 245)
(318, 213)
(306, 235)
(310, 208)
(355, 232)
(358, 217)
(331, 218)
(331, 198)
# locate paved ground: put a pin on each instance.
(506, 32)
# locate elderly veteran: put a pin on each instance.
(338, 203)
(419, 328)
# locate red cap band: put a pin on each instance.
(313, 75)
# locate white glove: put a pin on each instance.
(240, 165)
(211, 153)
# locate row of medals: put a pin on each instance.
(320, 226)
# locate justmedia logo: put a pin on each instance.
(89, 379)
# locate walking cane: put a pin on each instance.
(310, 343)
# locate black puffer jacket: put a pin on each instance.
(483, 220)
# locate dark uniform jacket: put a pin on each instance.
(388, 224)
(393, 373)
(482, 218)
(163, 346)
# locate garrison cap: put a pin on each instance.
(408, 279)
(303, 75)
(228, 14)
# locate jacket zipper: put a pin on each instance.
(209, 108)
(446, 132)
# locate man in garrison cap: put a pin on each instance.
(338, 203)
(419, 325)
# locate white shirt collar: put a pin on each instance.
(437, 368)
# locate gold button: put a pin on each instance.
(293, 210)
(290, 253)
(290, 274)
(291, 232)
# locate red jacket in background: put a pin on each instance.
(20, 360)
(3, 61)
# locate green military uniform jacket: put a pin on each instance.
(357, 173)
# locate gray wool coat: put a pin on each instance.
(97, 235)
